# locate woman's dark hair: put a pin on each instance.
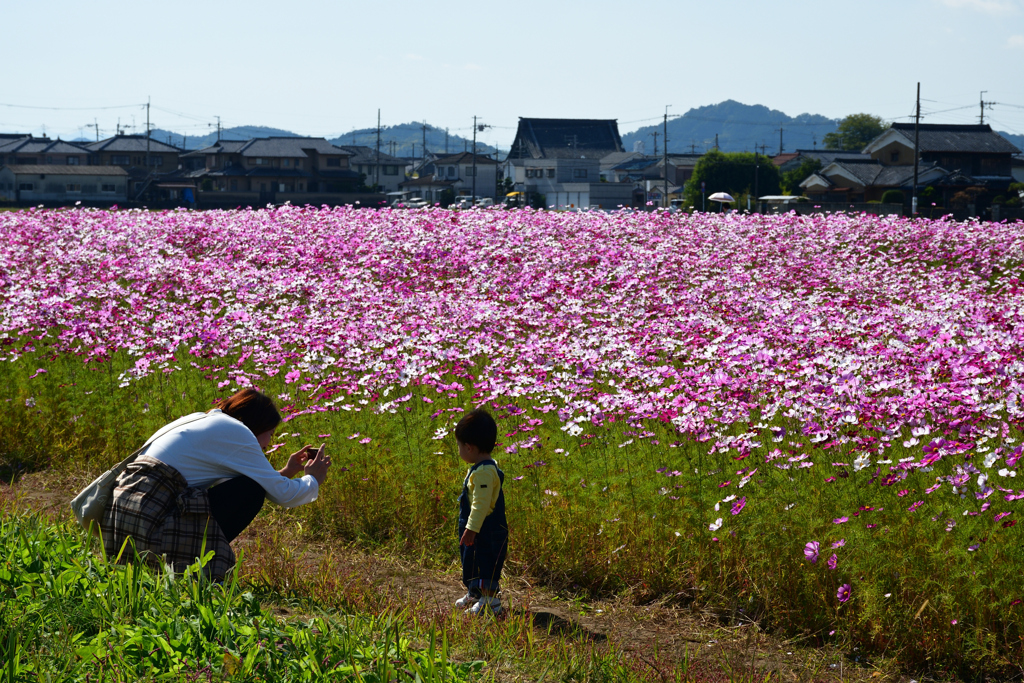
(253, 409)
(477, 429)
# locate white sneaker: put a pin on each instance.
(485, 605)
(467, 600)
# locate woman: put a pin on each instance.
(201, 481)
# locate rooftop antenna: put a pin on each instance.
(981, 97)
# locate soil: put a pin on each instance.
(658, 634)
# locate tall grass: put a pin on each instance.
(622, 509)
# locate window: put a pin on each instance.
(73, 161)
(260, 161)
(49, 160)
(287, 163)
(25, 160)
(107, 187)
(72, 187)
(334, 161)
(156, 161)
(894, 156)
(579, 173)
(470, 171)
(551, 173)
(390, 170)
(451, 171)
(119, 160)
(27, 187)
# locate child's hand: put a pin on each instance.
(468, 538)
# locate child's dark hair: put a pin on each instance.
(477, 429)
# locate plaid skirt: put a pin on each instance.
(164, 520)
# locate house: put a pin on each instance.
(975, 157)
(458, 169)
(26, 149)
(791, 160)
(144, 158)
(365, 160)
(560, 161)
(866, 180)
(427, 187)
(275, 169)
(62, 184)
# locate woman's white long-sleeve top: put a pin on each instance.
(219, 447)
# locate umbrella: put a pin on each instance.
(721, 197)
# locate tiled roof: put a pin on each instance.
(61, 169)
(871, 172)
(288, 147)
(219, 147)
(957, 138)
(31, 145)
(362, 154)
(465, 158)
(131, 143)
(566, 139)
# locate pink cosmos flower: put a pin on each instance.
(915, 506)
(833, 561)
(811, 551)
(840, 520)
(840, 543)
(844, 592)
(738, 506)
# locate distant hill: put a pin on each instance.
(408, 139)
(236, 133)
(1017, 140)
(739, 128)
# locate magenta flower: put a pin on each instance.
(833, 561)
(840, 520)
(811, 551)
(738, 506)
(840, 543)
(844, 592)
(915, 506)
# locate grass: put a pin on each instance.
(591, 514)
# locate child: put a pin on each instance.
(483, 531)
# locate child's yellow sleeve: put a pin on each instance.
(484, 487)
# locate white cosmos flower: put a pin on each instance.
(716, 525)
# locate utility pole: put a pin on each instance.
(218, 127)
(716, 141)
(96, 126)
(756, 173)
(147, 137)
(984, 104)
(664, 141)
(655, 134)
(474, 160)
(376, 167)
(424, 127)
(446, 142)
(780, 139)
(917, 152)
(693, 147)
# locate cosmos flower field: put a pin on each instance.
(810, 421)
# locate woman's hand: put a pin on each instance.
(296, 460)
(317, 466)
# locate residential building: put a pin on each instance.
(866, 180)
(365, 160)
(458, 169)
(427, 187)
(275, 169)
(560, 161)
(62, 184)
(791, 160)
(26, 149)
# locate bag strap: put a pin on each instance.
(160, 432)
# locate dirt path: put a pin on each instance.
(670, 631)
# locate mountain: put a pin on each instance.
(1016, 140)
(406, 140)
(739, 128)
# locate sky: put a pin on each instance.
(323, 68)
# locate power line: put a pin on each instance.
(26, 106)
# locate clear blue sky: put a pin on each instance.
(324, 67)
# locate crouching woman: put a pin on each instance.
(199, 483)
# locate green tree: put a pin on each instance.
(855, 132)
(731, 172)
(791, 179)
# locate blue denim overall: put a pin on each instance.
(482, 562)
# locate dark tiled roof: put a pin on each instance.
(637, 164)
(131, 143)
(827, 156)
(870, 172)
(31, 145)
(288, 147)
(61, 169)
(566, 139)
(957, 138)
(464, 158)
(219, 147)
(368, 155)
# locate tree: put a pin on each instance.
(731, 172)
(855, 132)
(791, 179)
